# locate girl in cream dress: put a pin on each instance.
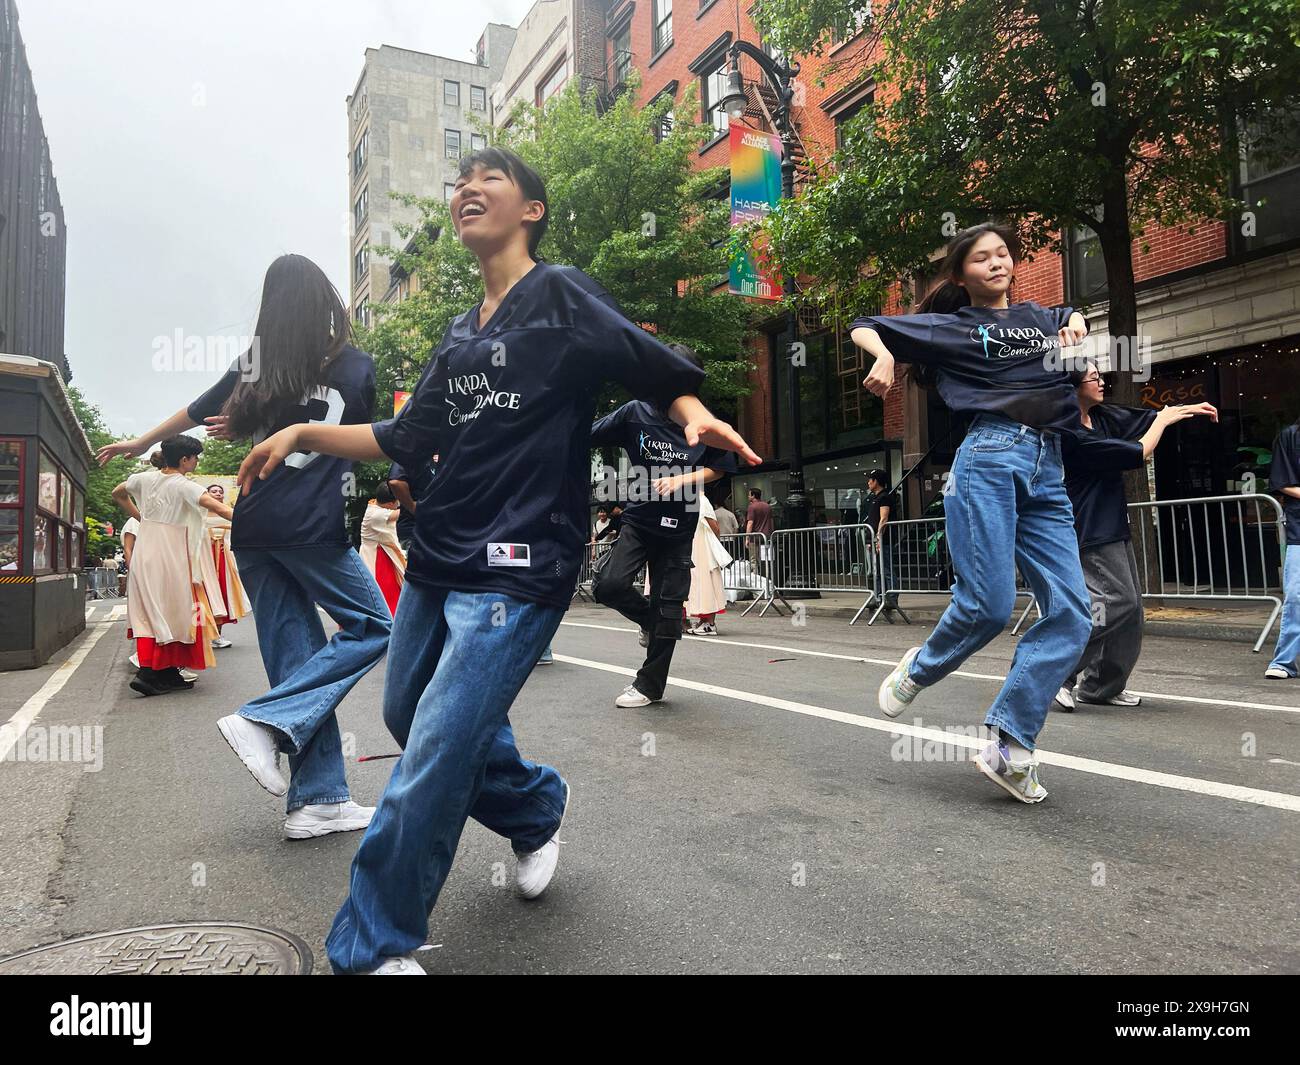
(169, 587)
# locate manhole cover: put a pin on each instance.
(207, 949)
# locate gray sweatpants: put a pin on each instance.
(1111, 573)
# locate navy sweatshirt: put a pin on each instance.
(301, 503)
(657, 448)
(1001, 361)
(1285, 473)
(508, 409)
(1095, 460)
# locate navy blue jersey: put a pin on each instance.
(1095, 460)
(657, 447)
(508, 410)
(418, 480)
(1285, 473)
(989, 360)
(301, 503)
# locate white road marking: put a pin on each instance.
(719, 641)
(14, 729)
(1276, 799)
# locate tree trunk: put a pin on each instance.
(1117, 253)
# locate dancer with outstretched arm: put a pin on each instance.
(506, 402)
(999, 362)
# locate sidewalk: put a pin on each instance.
(1232, 621)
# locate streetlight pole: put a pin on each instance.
(780, 76)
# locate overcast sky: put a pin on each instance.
(194, 141)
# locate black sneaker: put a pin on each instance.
(171, 680)
(145, 683)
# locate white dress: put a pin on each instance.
(166, 580)
(709, 556)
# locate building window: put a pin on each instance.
(1269, 178)
(661, 15)
(451, 142)
(847, 114)
(361, 209)
(59, 506)
(857, 23)
(451, 93)
(11, 505)
(1085, 268)
(362, 314)
(622, 58)
(713, 87)
(361, 263)
(477, 142)
(553, 82)
(477, 98)
(360, 152)
(448, 188)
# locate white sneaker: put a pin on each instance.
(707, 628)
(1124, 698)
(134, 659)
(405, 965)
(320, 819)
(255, 746)
(898, 689)
(1064, 699)
(221, 643)
(534, 871)
(1277, 673)
(188, 674)
(631, 697)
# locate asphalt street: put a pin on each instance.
(764, 818)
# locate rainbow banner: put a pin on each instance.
(755, 190)
(399, 401)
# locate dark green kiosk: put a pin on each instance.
(44, 458)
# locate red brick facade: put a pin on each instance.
(820, 92)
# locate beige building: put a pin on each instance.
(411, 117)
(555, 42)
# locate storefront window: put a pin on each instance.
(47, 492)
(61, 557)
(10, 540)
(65, 498)
(835, 411)
(41, 545)
(11, 472)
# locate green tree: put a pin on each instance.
(1114, 115)
(626, 207)
(101, 481)
(222, 457)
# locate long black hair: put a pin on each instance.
(529, 181)
(301, 327)
(946, 295)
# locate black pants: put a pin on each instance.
(670, 584)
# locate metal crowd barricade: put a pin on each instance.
(593, 553)
(826, 558)
(750, 571)
(101, 583)
(1210, 548)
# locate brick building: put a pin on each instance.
(1219, 303)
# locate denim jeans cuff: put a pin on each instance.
(319, 800)
(286, 741)
(1002, 726)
